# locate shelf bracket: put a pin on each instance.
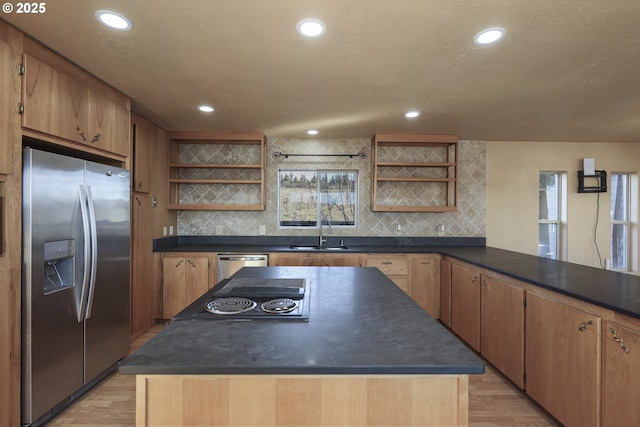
(278, 154)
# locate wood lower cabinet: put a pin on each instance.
(395, 267)
(185, 277)
(502, 327)
(445, 292)
(424, 284)
(620, 367)
(313, 259)
(465, 304)
(563, 360)
(62, 101)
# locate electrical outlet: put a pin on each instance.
(171, 230)
(441, 230)
(164, 230)
(263, 230)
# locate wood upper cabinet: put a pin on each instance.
(620, 367)
(185, 277)
(395, 267)
(143, 137)
(465, 304)
(10, 54)
(425, 283)
(502, 327)
(563, 361)
(445, 292)
(62, 101)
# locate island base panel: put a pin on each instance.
(302, 400)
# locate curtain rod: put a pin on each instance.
(278, 154)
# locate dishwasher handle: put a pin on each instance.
(242, 258)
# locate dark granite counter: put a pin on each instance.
(359, 323)
(613, 290)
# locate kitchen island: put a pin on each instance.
(368, 355)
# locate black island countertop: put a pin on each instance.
(610, 289)
(360, 322)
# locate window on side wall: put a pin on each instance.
(307, 198)
(623, 220)
(551, 202)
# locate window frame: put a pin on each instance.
(626, 222)
(561, 214)
(318, 193)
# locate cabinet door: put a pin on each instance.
(395, 267)
(563, 360)
(445, 292)
(425, 284)
(502, 327)
(621, 364)
(465, 304)
(142, 290)
(196, 278)
(293, 260)
(55, 102)
(10, 54)
(173, 286)
(344, 260)
(142, 138)
(109, 124)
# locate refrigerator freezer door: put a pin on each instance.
(52, 280)
(108, 312)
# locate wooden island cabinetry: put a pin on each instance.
(620, 367)
(502, 327)
(67, 106)
(465, 304)
(185, 277)
(563, 360)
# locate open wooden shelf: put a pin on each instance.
(218, 177)
(414, 164)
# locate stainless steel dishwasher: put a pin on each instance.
(230, 263)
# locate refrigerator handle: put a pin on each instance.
(87, 253)
(94, 252)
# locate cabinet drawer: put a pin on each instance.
(390, 266)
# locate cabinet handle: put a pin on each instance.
(425, 262)
(619, 341)
(583, 325)
(81, 133)
(95, 138)
(179, 263)
(387, 262)
(475, 278)
(191, 263)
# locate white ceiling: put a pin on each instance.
(568, 70)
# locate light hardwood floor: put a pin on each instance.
(493, 402)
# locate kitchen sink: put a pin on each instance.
(319, 248)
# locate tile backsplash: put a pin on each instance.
(467, 221)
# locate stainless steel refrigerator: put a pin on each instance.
(75, 278)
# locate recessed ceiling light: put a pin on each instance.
(114, 20)
(311, 28)
(206, 108)
(488, 36)
(312, 132)
(412, 114)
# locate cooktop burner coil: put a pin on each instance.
(279, 305)
(231, 305)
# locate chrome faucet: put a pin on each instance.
(322, 240)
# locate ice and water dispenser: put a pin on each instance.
(59, 265)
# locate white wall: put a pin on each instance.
(512, 194)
